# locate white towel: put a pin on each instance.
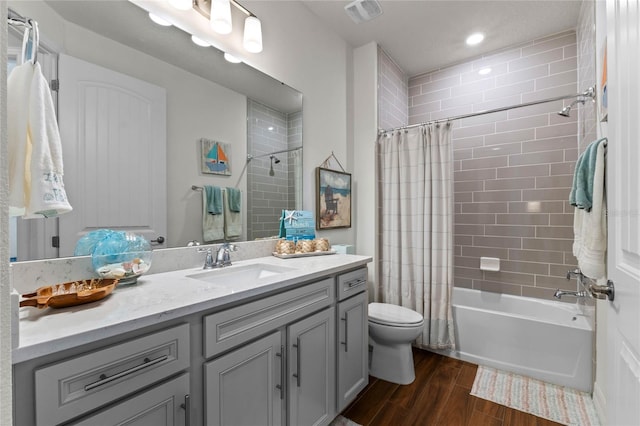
(590, 227)
(212, 224)
(233, 220)
(18, 89)
(36, 168)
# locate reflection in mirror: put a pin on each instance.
(257, 100)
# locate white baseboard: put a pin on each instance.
(600, 402)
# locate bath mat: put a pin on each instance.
(552, 402)
(342, 421)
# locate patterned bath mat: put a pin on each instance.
(556, 403)
(342, 421)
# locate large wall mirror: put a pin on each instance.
(257, 117)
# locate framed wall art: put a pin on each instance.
(333, 199)
(214, 157)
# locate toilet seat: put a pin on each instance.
(393, 315)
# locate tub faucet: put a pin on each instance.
(559, 293)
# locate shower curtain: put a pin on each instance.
(416, 227)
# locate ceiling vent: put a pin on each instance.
(363, 10)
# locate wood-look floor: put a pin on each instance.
(438, 396)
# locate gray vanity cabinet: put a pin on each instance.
(353, 337)
(245, 386)
(311, 349)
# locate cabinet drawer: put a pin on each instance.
(226, 329)
(352, 283)
(78, 385)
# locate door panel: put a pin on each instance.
(113, 130)
(623, 193)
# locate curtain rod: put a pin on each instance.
(589, 93)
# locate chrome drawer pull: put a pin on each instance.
(186, 406)
(280, 387)
(297, 375)
(104, 379)
(356, 283)
(346, 328)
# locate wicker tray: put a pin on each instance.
(43, 297)
(313, 253)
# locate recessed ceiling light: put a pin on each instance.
(475, 38)
(158, 20)
(199, 41)
(484, 71)
(230, 58)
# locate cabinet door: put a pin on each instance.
(353, 349)
(163, 405)
(311, 344)
(244, 387)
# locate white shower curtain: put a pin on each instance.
(416, 227)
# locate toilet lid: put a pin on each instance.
(386, 313)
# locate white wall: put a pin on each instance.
(5, 308)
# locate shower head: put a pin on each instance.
(275, 159)
(566, 111)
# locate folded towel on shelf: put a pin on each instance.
(212, 224)
(48, 197)
(234, 197)
(581, 195)
(232, 219)
(214, 199)
(590, 227)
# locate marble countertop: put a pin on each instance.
(160, 297)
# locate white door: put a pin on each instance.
(623, 196)
(113, 130)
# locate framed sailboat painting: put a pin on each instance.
(215, 157)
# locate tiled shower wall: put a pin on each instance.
(392, 93)
(586, 36)
(513, 169)
(269, 195)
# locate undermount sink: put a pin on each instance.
(233, 276)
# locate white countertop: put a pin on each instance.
(159, 297)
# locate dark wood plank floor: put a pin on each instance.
(438, 396)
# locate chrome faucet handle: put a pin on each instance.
(208, 260)
(575, 273)
(223, 258)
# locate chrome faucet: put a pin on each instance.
(223, 258)
(208, 260)
(559, 293)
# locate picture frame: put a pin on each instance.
(333, 199)
(215, 157)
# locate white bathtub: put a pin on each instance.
(546, 340)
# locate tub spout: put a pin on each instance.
(559, 293)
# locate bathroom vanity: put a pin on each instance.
(266, 341)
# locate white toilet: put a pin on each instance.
(392, 328)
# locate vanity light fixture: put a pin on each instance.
(220, 16)
(181, 4)
(230, 58)
(199, 41)
(475, 38)
(158, 20)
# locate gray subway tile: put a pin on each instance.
(543, 157)
(437, 95)
(479, 85)
(467, 262)
(497, 150)
(560, 79)
(468, 229)
(485, 163)
(565, 232)
(485, 251)
(563, 181)
(494, 287)
(462, 154)
(463, 197)
(481, 129)
(466, 186)
(535, 60)
(500, 242)
(555, 283)
(564, 219)
(510, 90)
(462, 282)
(467, 142)
(487, 196)
(562, 169)
(551, 144)
(509, 277)
(524, 267)
(535, 109)
(424, 108)
(463, 240)
(523, 123)
(513, 183)
(558, 130)
(547, 244)
(467, 272)
(545, 256)
(462, 100)
(545, 194)
(538, 95)
(522, 171)
(451, 71)
(441, 84)
(564, 65)
(510, 231)
(523, 219)
(545, 46)
(571, 51)
(523, 75)
(537, 207)
(479, 218)
(484, 207)
(510, 137)
(560, 270)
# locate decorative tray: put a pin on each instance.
(70, 293)
(312, 253)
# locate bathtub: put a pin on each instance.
(546, 340)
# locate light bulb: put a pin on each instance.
(252, 35)
(158, 20)
(475, 38)
(221, 16)
(199, 41)
(230, 58)
(181, 4)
